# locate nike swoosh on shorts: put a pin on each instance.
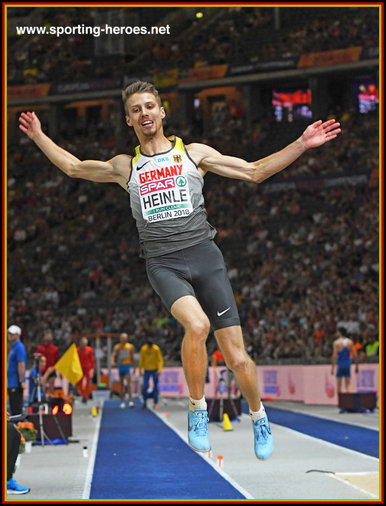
(222, 312)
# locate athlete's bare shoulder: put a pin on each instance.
(122, 163)
(122, 167)
(198, 152)
(197, 149)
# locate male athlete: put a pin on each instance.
(185, 267)
(343, 351)
(123, 354)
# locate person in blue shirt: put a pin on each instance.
(343, 352)
(17, 363)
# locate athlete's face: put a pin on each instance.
(145, 115)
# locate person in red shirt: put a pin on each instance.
(87, 361)
(51, 352)
(217, 358)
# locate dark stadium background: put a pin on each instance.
(302, 248)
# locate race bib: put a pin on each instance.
(164, 194)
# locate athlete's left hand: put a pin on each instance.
(319, 133)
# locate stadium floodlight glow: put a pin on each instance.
(199, 15)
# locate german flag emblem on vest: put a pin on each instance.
(177, 158)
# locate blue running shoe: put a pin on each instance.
(263, 438)
(198, 430)
(14, 488)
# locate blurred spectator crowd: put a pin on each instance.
(233, 35)
(300, 261)
(242, 35)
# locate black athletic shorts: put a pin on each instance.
(198, 271)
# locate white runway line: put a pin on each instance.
(92, 456)
(226, 477)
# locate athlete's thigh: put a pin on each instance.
(213, 289)
(169, 278)
(188, 311)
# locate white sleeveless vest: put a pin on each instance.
(166, 200)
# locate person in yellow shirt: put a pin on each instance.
(150, 365)
(123, 356)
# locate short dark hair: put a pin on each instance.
(342, 330)
(139, 87)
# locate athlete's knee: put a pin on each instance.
(198, 329)
(238, 362)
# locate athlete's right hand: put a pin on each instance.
(29, 124)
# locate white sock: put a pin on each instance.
(255, 415)
(197, 404)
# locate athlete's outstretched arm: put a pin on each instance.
(208, 159)
(115, 170)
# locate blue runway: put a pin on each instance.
(140, 457)
(349, 436)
